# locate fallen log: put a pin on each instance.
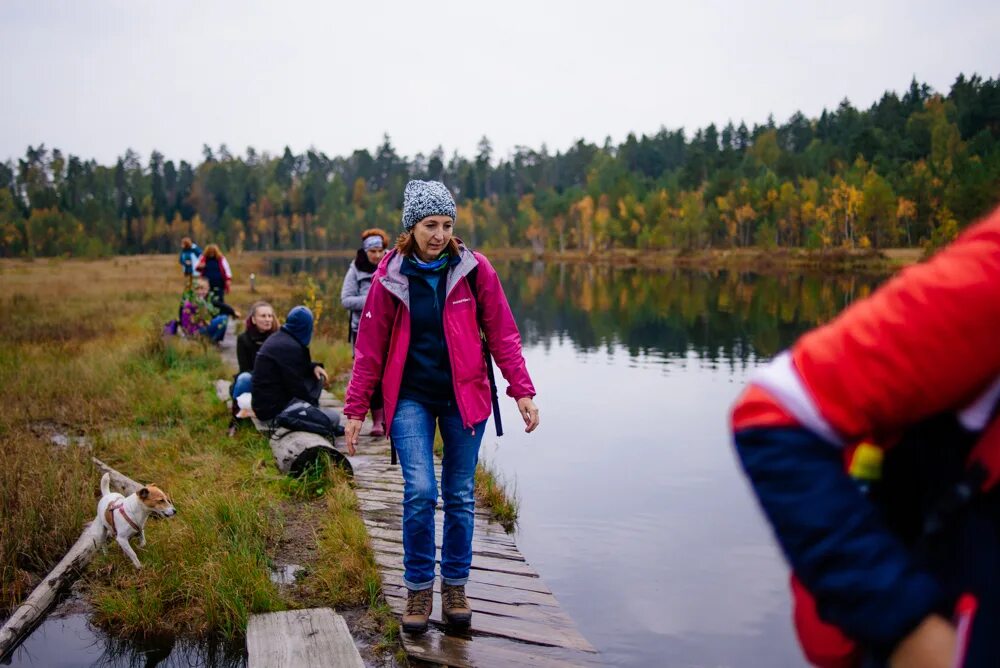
(31, 611)
(295, 450)
(119, 481)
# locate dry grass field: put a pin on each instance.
(81, 356)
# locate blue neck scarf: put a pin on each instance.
(433, 266)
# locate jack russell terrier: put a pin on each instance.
(123, 517)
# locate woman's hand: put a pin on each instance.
(930, 645)
(351, 432)
(529, 411)
(321, 375)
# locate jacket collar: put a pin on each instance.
(390, 273)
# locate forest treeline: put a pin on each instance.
(910, 170)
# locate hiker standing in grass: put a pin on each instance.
(214, 266)
(188, 259)
(357, 282)
(420, 337)
(874, 448)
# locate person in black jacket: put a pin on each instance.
(284, 369)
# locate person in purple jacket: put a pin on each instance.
(420, 337)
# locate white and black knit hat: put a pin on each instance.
(426, 198)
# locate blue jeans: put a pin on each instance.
(243, 383)
(216, 330)
(413, 436)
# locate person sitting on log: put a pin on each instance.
(284, 370)
(205, 314)
(260, 324)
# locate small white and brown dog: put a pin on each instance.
(122, 517)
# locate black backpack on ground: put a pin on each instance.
(300, 415)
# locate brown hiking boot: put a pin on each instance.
(418, 610)
(456, 606)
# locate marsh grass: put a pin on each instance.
(80, 348)
(43, 512)
(495, 493)
(492, 491)
(345, 571)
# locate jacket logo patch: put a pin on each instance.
(368, 314)
(461, 301)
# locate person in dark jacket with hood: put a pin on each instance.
(284, 369)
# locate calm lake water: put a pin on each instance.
(633, 508)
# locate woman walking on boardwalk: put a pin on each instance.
(420, 337)
(357, 283)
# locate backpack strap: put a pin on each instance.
(498, 423)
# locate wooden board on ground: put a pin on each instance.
(314, 638)
(516, 620)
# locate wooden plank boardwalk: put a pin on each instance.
(516, 619)
(314, 638)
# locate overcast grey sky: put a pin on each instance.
(94, 78)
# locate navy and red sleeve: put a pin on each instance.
(923, 344)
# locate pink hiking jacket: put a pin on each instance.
(384, 339)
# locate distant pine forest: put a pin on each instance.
(912, 170)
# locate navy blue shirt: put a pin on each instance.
(427, 374)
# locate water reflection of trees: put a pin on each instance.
(167, 653)
(718, 315)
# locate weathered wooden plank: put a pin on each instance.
(315, 638)
(541, 632)
(480, 590)
(484, 548)
(481, 561)
(395, 562)
(483, 530)
(543, 614)
(521, 630)
(392, 518)
(450, 650)
(481, 535)
(395, 500)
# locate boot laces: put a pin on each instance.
(454, 597)
(416, 602)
